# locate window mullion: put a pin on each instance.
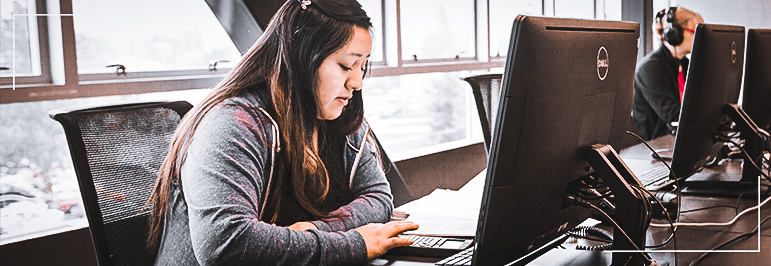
(548, 8)
(392, 35)
(61, 43)
(482, 16)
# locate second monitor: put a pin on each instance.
(757, 96)
(713, 82)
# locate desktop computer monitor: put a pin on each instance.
(713, 82)
(567, 85)
(756, 100)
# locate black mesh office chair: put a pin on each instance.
(487, 90)
(117, 151)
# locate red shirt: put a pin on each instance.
(681, 82)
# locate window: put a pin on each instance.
(20, 43)
(611, 10)
(148, 36)
(437, 30)
(19, 28)
(374, 9)
(574, 9)
(420, 110)
(502, 15)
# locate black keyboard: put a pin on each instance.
(655, 178)
(432, 246)
(462, 258)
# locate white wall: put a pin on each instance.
(747, 13)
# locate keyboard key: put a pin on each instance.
(459, 259)
(655, 178)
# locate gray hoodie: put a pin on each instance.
(224, 176)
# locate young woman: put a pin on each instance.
(274, 167)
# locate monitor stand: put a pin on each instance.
(726, 184)
(629, 204)
(723, 185)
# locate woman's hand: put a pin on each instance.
(383, 237)
(302, 226)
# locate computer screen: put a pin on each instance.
(713, 81)
(567, 85)
(756, 100)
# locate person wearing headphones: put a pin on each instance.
(660, 76)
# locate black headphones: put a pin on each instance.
(673, 32)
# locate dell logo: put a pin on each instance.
(602, 63)
(733, 52)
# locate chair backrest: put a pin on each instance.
(487, 90)
(399, 188)
(117, 151)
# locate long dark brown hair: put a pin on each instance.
(283, 64)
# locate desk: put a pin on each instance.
(638, 159)
(693, 239)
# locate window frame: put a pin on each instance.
(42, 46)
(132, 76)
(395, 65)
(75, 85)
(457, 59)
(66, 83)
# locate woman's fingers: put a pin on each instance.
(397, 227)
(393, 229)
(399, 242)
(379, 238)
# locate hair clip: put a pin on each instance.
(305, 3)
